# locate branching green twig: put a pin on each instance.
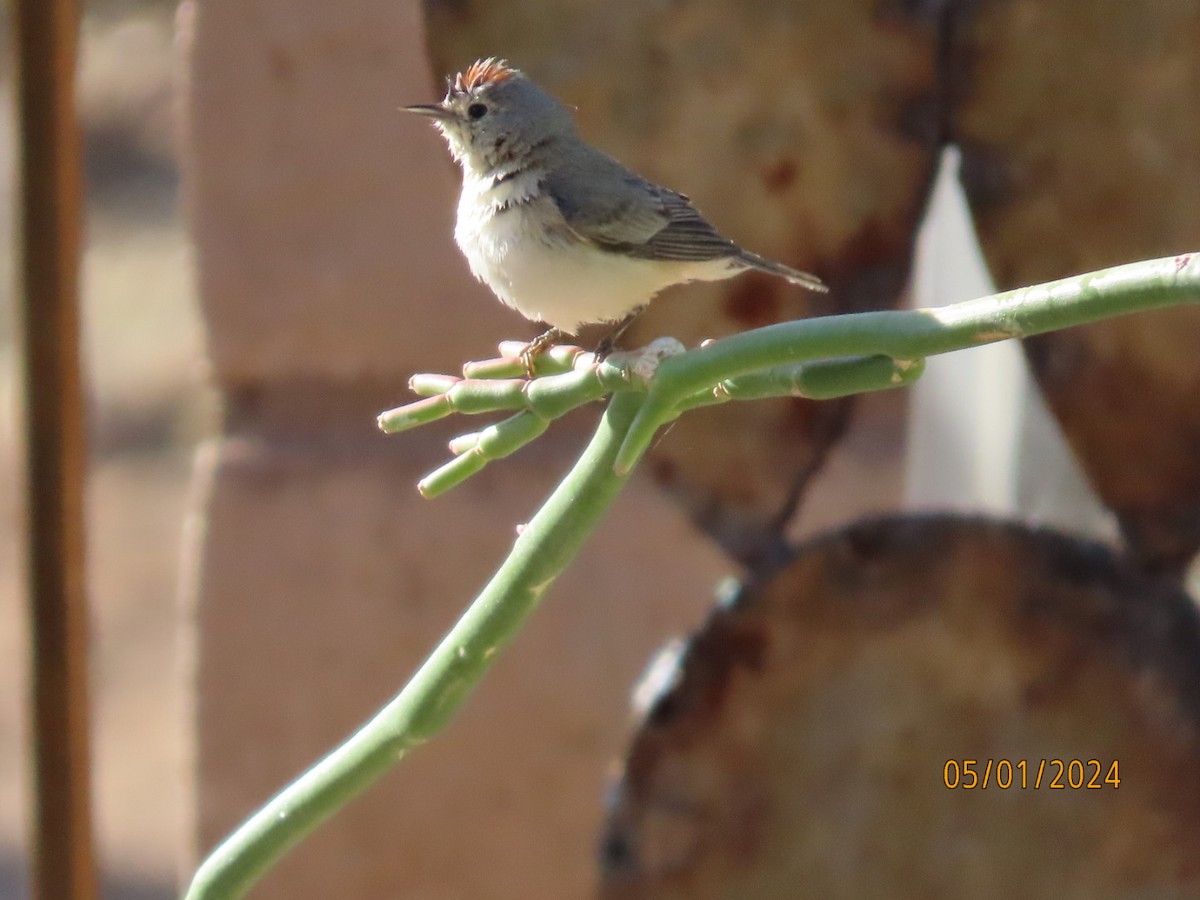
(818, 358)
(572, 378)
(491, 389)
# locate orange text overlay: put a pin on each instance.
(1031, 774)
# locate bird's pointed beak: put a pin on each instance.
(433, 110)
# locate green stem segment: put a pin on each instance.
(545, 547)
(476, 450)
(822, 379)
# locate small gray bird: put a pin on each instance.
(559, 231)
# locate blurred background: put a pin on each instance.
(148, 407)
(301, 224)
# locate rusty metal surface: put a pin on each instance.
(799, 750)
(807, 132)
(50, 221)
(1081, 149)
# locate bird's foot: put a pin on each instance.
(609, 341)
(605, 348)
(539, 344)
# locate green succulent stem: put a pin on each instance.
(911, 335)
(544, 548)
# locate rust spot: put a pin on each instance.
(281, 65)
(665, 471)
(799, 417)
(875, 242)
(1182, 262)
(780, 175)
(869, 269)
(459, 9)
(753, 300)
(729, 643)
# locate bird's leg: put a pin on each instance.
(606, 345)
(539, 344)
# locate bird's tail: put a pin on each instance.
(795, 276)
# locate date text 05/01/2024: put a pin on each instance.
(1031, 774)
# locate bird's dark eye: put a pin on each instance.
(477, 110)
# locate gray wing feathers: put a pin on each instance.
(605, 203)
(601, 201)
(686, 236)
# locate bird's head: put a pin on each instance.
(493, 112)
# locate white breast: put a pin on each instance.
(518, 244)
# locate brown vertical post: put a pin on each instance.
(63, 865)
